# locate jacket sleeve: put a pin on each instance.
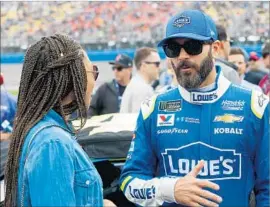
(50, 171)
(260, 107)
(138, 181)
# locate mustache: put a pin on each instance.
(185, 64)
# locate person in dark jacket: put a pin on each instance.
(108, 96)
(229, 70)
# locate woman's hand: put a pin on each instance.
(108, 203)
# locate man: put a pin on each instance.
(228, 69)
(173, 80)
(255, 72)
(108, 97)
(265, 81)
(266, 56)
(237, 57)
(205, 118)
(8, 110)
(147, 62)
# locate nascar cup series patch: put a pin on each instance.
(170, 106)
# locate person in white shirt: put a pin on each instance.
(147, 62)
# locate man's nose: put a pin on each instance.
(183, 54)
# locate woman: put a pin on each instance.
(46, 166)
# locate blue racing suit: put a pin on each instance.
(227, 127)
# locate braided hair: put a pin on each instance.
(52, 69)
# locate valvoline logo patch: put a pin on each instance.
(222, 164)
(165, 120)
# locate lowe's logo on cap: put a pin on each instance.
(181, 21)
(223, 164)
(165, 120)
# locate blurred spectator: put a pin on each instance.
(265, 81)
(266, 55)
(8, 110)
(108, 96)
(147, 62)
(228, 69)
(173, 83)
(253, 61)
(22, 23)
(255, 72)
(237, 57)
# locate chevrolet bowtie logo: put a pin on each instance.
(228, 118)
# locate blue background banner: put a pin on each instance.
(109, 55)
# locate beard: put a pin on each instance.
(192, 80)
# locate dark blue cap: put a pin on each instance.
(122, 60)
(192, 24)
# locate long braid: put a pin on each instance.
(52, 69)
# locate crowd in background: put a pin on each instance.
(22, 23)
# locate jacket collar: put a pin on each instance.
(53, 117)
(195, 97)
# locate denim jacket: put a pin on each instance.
(54, 170)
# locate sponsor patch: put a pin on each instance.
(228, 118)
(203, 97)
(165, 120)
(189, 120)
(233, 105)
(261, 100)
(181, 21)
(228, 131)
(142, 193)
(147, 107)
(223, 164)
(172, 131)
(170, 106)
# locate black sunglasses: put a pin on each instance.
(155, 63)
(118, 68)
(193, 47)
(94, 71)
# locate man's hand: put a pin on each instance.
(189, 190)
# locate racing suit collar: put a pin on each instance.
(196, 97)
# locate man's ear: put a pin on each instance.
(216, 48)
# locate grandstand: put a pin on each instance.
(102, 25)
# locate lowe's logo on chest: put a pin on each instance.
(165, 120)
(204, 98)
(220, 164)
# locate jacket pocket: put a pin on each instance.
(87, 188)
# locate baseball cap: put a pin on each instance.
(192, 24)
(253, 56)
(122, 60)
